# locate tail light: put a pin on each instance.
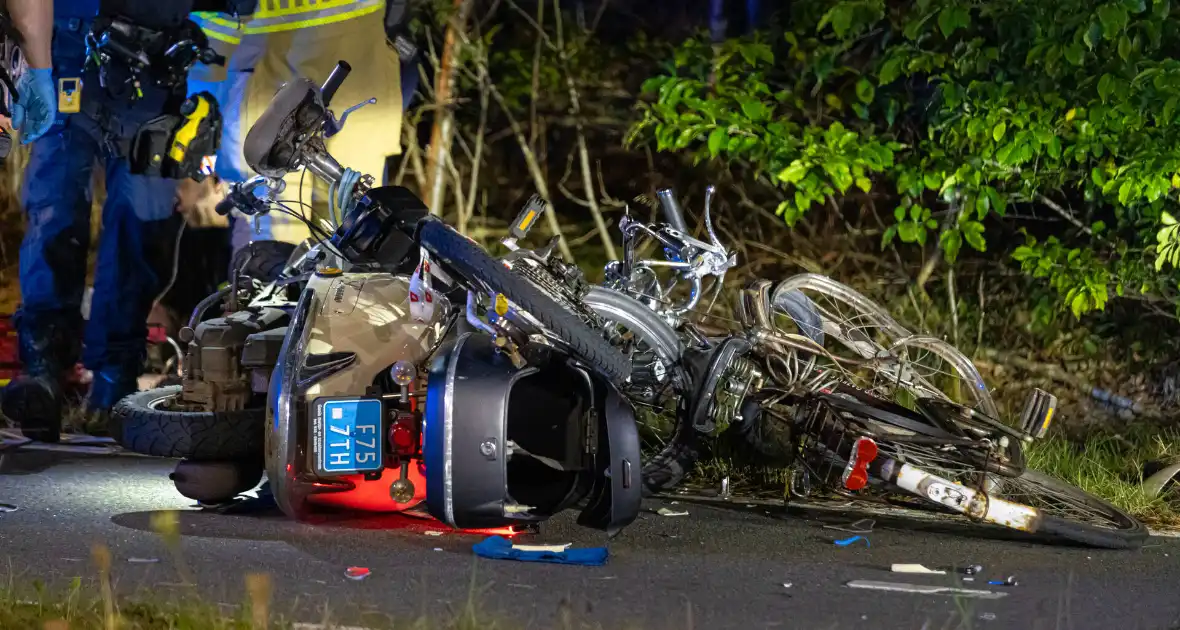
(403, 435)
(856, 474)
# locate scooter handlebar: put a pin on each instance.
(339, 74)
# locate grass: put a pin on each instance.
(94, 605)
(79, 609)
(1111, 466)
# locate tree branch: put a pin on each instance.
(1065, 214)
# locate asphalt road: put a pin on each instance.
(722, 566)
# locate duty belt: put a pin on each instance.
(163, 57)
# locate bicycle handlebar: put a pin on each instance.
(672, 212)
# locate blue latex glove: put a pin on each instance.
(499, 548)
(33, 114)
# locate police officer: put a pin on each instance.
(101, 107)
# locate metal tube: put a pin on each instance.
(473, 318)
(186, 333)
(672, 212)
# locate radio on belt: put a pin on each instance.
(69, 95)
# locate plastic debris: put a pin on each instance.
(666, 512)
(7, 507)
(1009, 581)
(849, 541)
(968, 579)
(863, 526)
(973, 569)
(142, 560)
(438, 548)
(356, 573)
(924, 589)
(915, 568)
(500, 548)
(987, 616)
(787, 584)
(1154, 485)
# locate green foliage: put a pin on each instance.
(958, 111)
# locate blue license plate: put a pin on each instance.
(348, 434)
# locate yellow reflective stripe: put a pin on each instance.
(221, 37)
(273, 8)
(221, 29)
(307, 17)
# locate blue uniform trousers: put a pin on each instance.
(137, 233)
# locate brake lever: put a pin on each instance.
(243, 198)
(709, 218)
(333, 126)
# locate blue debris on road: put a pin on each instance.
(500, 548)
(848, 541)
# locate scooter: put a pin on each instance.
(489, 400)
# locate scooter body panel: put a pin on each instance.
(364, 320)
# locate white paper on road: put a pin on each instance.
(549, 548)
(915, 568)
(925, 589)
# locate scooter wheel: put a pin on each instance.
(154, 422)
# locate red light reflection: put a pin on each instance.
(373, 496)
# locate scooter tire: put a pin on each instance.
(149, 425)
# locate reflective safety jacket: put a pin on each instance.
(283, 15)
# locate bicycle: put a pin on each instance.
(857, 404)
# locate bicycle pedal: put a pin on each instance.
(856, 473)
(527, 218)
(1037, 413)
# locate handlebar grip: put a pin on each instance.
(227, 205)
(672, 211)
(339, 74)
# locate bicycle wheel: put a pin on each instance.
(932, 368)
(670, 444)
(1035, 503)
(852, 325)
(946, 471)
(855, 333)
(898, 365)
(469, 261)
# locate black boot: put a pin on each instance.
(34, 402)
(48, 351)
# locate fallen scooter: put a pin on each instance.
(486, 399)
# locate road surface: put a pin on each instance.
(721, 566)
